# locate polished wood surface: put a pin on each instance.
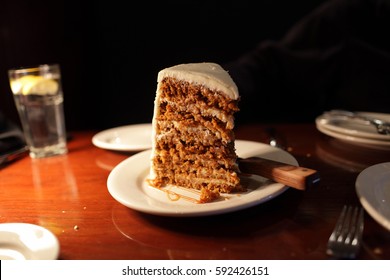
(68, 195)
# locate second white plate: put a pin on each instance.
(129, 138)
(354, 129)
(127, 184)
(361, 141)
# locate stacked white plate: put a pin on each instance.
(354, 131)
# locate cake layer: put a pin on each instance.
(200, 166)
(179, 119)
(188, 131)
(196, 99)
(197, 178)
(210, 74)
(196, 94)
(195, 105)
(214, 157)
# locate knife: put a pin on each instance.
(290, 175)
(13, 155)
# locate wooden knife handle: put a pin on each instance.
(290, 175)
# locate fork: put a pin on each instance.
(345, 240)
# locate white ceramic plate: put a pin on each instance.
(366, 142)
(134, 137)
(126, 183)
(352, 128)
(22, 241)
(373, 189)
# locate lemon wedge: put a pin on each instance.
(34, 85)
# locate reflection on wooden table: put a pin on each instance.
(68, 195)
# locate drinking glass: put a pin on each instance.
(39, 100)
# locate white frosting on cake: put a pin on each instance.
(205, 73)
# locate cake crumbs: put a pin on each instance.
(207, 195)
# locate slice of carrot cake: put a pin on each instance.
(193, 137)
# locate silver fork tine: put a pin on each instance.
(350, 225)
(338, 230)
(359, 227)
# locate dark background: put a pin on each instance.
(111, 51)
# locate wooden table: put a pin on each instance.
(68, 195)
